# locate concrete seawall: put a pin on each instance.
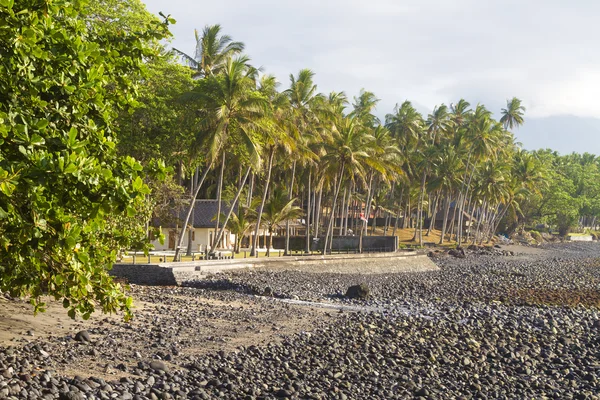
(165, 274)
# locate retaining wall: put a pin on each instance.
(176, 273)
(340, 243)
(580, 238)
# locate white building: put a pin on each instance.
(203, 221)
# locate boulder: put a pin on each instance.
(459, 252)
(83, 336)
(358, 291)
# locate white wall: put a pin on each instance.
(201, 239)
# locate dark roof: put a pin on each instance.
(204, 215)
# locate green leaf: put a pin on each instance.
(42, 124)
(72, 136)
(71, 168)
(37, 140)
(138, 183)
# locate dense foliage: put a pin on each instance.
(80, 147)
(458, 168)
(68, 203)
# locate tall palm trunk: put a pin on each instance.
(480, 215)
(233, 204)
(398, 212)
(368, 205)
(317, 214)
(308, 214)
(250, 190)
(419, 228)
(470, 213)
(374, 223)
(219, 199)
(262, 203)
(433, 215)
(447, 202)
(347, 211)
(287, 222)
(189, 213)
(342, 214)
(191, 229)
(465, 195)
(335, 196)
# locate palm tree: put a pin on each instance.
(438, 124)
(231, 105)
(344, 160)
(212, 51)
(364, 105)
(277, 210)
(303, 98)
(274, 137)
(512, 115)
(407, 126)
(240, 224)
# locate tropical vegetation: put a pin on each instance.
(94, 107)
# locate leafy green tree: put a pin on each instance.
(68, 203)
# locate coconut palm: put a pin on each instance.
(240, 224)
(232, 108)
(344, 159)
(274, 137)
(277, 211)
(212, 51)
(303, 98)
(512, 115)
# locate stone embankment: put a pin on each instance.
(179, 272)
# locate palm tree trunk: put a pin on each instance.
(262, 203)
(502, 214)
(478, 224)
(398, 212)
(368, 205)
(470, 213)
(342, 209)
(286, 251)
(461, 214)
(386, 223)
(333, 212)
(189, 213)
(235, 200)
(270, 242)
(419, 230)
(462, 198)
(447, 202)
(191, 229)
(308, 214)
(219, 198)
(434, 212)
(317, 217)
(335, 196)
(346, 212)
(250, 190)
(374, 223)
(453, 224)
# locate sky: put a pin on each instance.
(544, 52)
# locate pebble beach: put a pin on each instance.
(488, 326)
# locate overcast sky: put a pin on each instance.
(544, 52)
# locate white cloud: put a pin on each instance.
(430, 51)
